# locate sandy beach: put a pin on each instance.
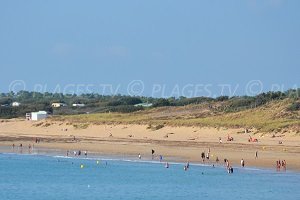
(173, 143)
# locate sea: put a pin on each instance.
(51, 177)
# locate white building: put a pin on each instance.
(15, 104)
(144, 105)
(78, 105)
(38, 115)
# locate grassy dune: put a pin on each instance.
(270, 117)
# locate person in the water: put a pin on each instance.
(167, 165)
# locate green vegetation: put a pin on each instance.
(81, 126)
(273, 116)
(272, 111)
(294, 106)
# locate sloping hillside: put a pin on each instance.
(271, 117)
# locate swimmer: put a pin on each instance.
(167, 165)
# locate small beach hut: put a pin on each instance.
(38, 115)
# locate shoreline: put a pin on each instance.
(60, 149)
(173, 143)
(59, 154)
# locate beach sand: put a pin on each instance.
(173, 143)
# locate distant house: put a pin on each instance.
(15, 104)
(58, 105)
(78, 105)
(144, 104)
(36, 115)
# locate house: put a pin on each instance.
(78, 105)
(15, 104)
(58, 105)
(36, 115)
(144, 105)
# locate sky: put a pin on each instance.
(158, 48)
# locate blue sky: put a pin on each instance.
(153, 48)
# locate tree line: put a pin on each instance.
(35, 101)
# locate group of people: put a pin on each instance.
(205, 156)
(77, 153)
(20, 147)
(152, 156)
(228, 166)
(280, 165)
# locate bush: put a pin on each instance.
(125, 108)
(222, 98)
(294, 106)
(161, 102)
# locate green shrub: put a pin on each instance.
(294, 106)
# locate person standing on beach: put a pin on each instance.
(217, 160)
(226, 163)
(140, 157)
(242, 163)
(152, 152)
(208, 154)
(21, 148)
(29, 148)
(256, 155)
(283, 163)
(278, 165)
(203, 156)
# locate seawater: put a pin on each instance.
(38, 177)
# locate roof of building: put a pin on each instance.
(40, 112)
